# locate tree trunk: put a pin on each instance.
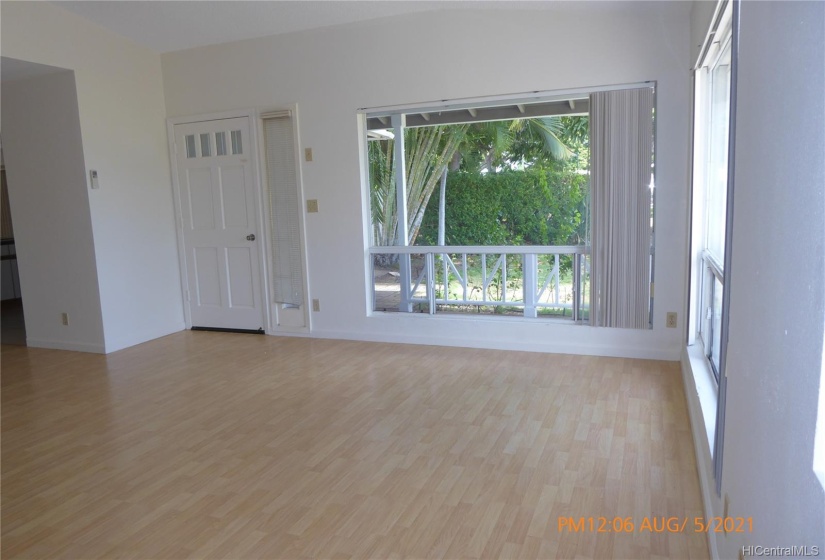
(423, 178)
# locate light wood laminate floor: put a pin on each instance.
(212, 445)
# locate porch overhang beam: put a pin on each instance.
(485, 114)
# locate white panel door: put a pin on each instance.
(219, 211)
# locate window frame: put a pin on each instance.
(712, 270)
(710, 267)
(725, 27)
(394, 117)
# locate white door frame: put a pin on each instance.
(256, 181)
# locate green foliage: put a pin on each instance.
(472, 213)
(544, 204)
(494, 144)
(541, 207)
(531, 207)
(533, 148)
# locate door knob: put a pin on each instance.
(250, 237)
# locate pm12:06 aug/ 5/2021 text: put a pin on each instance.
(655, 525)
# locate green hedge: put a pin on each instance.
(531, 207)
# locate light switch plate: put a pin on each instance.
(93, 177)
(312, 205)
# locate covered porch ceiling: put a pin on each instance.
(567, 107)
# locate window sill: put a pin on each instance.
(706, 389)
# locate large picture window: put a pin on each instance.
(497, 208)
(486, 208)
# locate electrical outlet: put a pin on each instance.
(316, 305)
(671, 319)
(308, 154)
(312, 205)
(64, 319)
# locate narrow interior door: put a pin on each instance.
(220, 224)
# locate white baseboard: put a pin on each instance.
(289, 331)
(619, 351)
(700, 448)
(63, 345)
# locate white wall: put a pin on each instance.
(331, 72)
(777, 309)
(122, 121)
(701, 16)
(43, 152)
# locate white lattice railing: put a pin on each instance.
(451, 277)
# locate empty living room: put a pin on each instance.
(412, 279)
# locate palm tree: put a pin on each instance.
(427, 150)
(382, 191)
(489, 143)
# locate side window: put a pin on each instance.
(715, 89)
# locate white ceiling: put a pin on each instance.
(165, 26)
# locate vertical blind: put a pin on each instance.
(282, 187)
(621, 139)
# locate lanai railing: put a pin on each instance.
(536, 280)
